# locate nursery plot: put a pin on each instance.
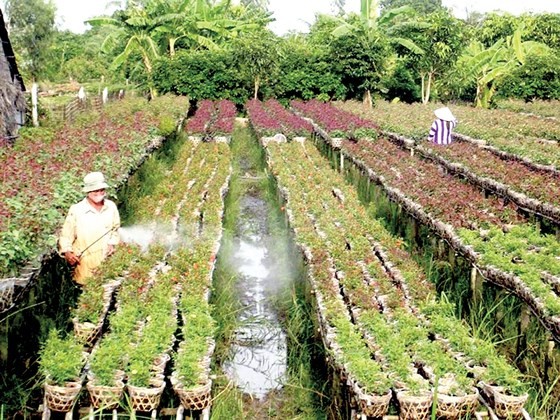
(489, 232)
(359, 270)
(42, 173)
(414, 121)
(528, 186)
(494, 231)
(173, 275)
(538, 107)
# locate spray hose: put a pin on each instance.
(114, 228)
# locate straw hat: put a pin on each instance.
(94, 181)
(444, 114)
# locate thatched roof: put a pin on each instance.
(9, 53)
(11, 86)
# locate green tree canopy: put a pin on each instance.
(31, 26)
(422, 7)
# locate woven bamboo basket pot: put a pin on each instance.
(62, 398)
(86, 332)
(375, 405)
(107, 397)
(197, 398)
(455, 407)
(508, 406)
(145, 399)
(414, 407)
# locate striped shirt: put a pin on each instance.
(440, 132)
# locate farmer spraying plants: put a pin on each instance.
(442, 127)
(89, 233)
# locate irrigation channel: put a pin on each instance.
(267, 362)
(260, 285)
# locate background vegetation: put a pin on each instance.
(414, 50)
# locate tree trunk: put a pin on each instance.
(367, 99)
(172, 47)
(257, 85)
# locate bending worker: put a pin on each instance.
(442, 127)
(90, 231)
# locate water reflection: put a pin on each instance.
(259, 360)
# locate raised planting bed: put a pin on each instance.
(170, 280)
(272, 122)
(213, 121)
(509, 135)
(41, 179)
(467, 220)
(365, 281)
(337, 123)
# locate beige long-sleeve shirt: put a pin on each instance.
(85, 225)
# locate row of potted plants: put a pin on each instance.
(271, 118)
(212, 120)
(542, 108)
(470, 221)
(530, 186)
(315, 196)
(336, 122)
(498, 131)
(152, 321)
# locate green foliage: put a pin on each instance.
(166, 126)
(31, 32)
(61, 359)
(15, 248)
(420, 6)
(400, 83)
(305, 72)
(256, 55)
(201, 75)
(538, 78)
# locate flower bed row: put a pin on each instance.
(212, 120)
(336, 122)
(510, 135)
(529, 186)
(141, 330)
(503, 178)
(337, 243)
(542, 108)
(271, 118)
(41, 178)
(510, 253)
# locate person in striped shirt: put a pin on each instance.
(442, 127)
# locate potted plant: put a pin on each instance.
(61, 362)
(105, 375)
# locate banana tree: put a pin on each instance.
(134, 28)
(486, 67)
(202, 23)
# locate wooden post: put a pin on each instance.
(524, 319)
(206, 413)
(35, 113)
(476, 285)
(46, 411)
(180, 412)
(341, 162)
(548, 359)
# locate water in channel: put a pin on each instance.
(259, 350)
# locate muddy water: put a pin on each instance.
(258, 365)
